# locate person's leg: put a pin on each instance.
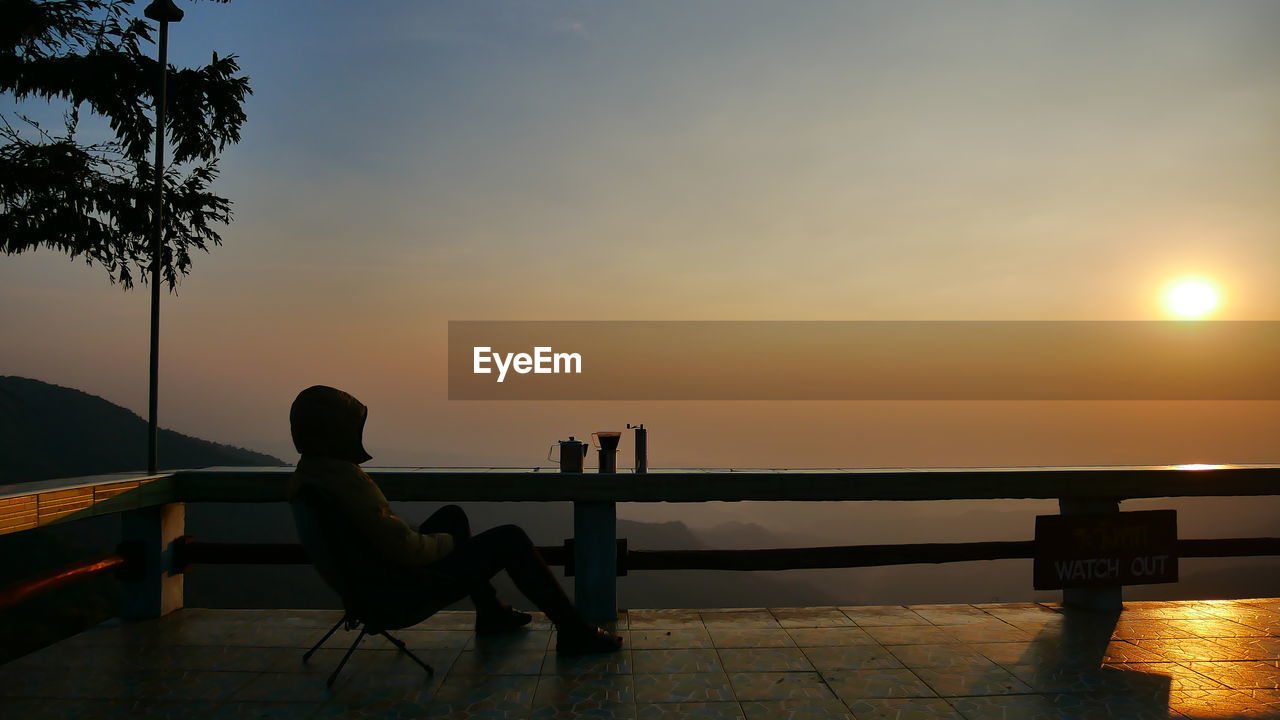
(453, 520)
(448, 519)
(507, 547)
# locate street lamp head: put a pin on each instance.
(163, 11)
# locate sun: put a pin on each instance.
(1191, 298)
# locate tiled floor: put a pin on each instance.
(1209, 659)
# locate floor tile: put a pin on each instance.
(1248, 648)
(764, 660)
(383, 661)
(954, 615)
(675, 661)
(599, 688)
(1012, 653)
(1174, 612)
(740, 619)
(985, 633)
(433, 639)
(682, 687)
(575, 709)
(1058, 707)
(287, 687)
(191, 685)
(521, 641)
(859, 657)
(261, 635)
(903, 709)
(54, 683)
(1225, 703)
(373, 694)
(1193, 649)
(663, 619)
(1153, 629)
(146, 709)
(270, 711)
(1015, 613)
(1244, 674)
(830, 637)
(612, 663)
(733, 637)
(926, 656)
(1265, 698)
(1121, 651)
(504, 697)
(779, 686)
(690, 710)
(1181, 677)
(670, 639)
(882, 616)
(72, 654)
(1098, 680)
(912, 635)
(811, 617)
(523, 662)
(227, 659)
(851, 685)
(67, 709)
(963, 681)
(1246, 615)
(808, 709)
(449, 620)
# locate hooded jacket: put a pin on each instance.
(327, 425)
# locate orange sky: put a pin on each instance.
(555, 161)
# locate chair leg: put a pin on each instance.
(346, 657)
(401, 646)
(327, 635)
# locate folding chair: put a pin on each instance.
(374, 602)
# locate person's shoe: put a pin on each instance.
(588, 640)
(503, 620)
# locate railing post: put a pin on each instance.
(150, 532)
(1109, 598)
(595, 552)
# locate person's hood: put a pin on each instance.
(327, 422)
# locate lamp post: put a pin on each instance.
(163, 12)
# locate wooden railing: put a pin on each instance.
(151, 506)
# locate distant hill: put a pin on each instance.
(49, 431)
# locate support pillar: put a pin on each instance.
(148, 534)
(595, 551)
(595, 546)
(1105, 599)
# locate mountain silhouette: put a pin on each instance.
(49, 431)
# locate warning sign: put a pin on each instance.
(1092, 550)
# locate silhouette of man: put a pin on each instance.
(327, 427)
